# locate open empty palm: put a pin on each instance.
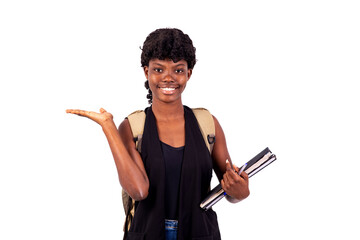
(101, 117)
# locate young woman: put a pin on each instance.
(172, 174)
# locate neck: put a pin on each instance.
(167, 111)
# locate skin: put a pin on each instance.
(167, 81)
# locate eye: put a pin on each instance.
(159, 70)
(179, 70)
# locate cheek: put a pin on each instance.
(152, 85)
(183, 87)
(184, 84)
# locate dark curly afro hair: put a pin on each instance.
(167, 43)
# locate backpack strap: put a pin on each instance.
(207, 126)
(137, 123)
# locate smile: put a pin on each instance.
(168, 90)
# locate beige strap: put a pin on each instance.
(137, 122)
(207, 125)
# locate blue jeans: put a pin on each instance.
(171, 229)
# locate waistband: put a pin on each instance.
(171, 224)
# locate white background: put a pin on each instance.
(277, 74)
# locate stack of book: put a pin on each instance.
(259, 162)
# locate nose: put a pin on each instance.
(168, 78)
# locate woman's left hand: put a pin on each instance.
(235, 186)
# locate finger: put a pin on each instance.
(245, 176)
(228, 165)
(225, 184)
(229, 170)
(226, 178)
(102, 110)
(79, 112)
(75, 111)
(233, 177)
(70, 110)
(229, 179)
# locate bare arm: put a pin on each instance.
(236, 187)
(130, 168)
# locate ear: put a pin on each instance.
(146, 71)
(189, 73)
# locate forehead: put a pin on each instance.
(167, 62)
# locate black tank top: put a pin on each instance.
(173, 158)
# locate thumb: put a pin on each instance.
(228, 166)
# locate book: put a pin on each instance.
(257, 163)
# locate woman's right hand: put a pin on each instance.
(100, 118)
(130, 167)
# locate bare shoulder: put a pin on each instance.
(219, 133)
(124, 126)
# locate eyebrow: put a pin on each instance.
(158, 64)
(178, 65)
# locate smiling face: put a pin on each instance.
(167, 79)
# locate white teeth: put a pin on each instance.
(168, 89)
